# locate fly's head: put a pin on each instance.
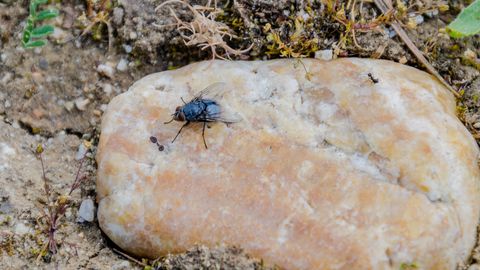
(179, 115)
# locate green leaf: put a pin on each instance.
(38, 2)
(26, 36)
(467, 22)
(47, 14)
(36, 43)
(42, 31)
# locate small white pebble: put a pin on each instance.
(69, 105)
(469, 54)
(22, 229)
(81, 103)
(122, 65)
(82, 150)
(419, 19)
(107, 88)
(106, 70)
(133, 35)
(432, 13)
(324, 54)
(7, 77)
(3, 57)
(58, 34)
(127, 48)
(86, 212)
(391, 33)
(476, 125)
(123, 265)
(37, 50)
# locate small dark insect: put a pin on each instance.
(155, 141)
(373, 79)
(203, 109)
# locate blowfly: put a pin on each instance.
(204, 108)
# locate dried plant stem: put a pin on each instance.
(385, 6)
(130, 258)
(55, 208)
(203, 31)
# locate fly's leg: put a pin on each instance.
(178, 133)
(203, 135)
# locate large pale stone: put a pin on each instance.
(326, 171)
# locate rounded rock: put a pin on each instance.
(326, 171)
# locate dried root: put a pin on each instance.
(203, 31)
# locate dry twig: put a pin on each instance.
(386, 6)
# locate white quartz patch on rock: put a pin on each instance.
(326, 170)
(6, 152)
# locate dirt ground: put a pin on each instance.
(54, 96)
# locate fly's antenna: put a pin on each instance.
(183, 101)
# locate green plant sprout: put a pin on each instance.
(467, 22)
(32, 35)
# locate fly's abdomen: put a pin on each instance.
(213, 110)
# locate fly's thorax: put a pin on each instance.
(193, 110)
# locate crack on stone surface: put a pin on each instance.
(396, 180)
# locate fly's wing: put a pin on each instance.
(213, 91)
(223, 113)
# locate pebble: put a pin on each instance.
(82, 150)
(21, 229)
(324, 54)
(107, 88)
(122, 65)
(86, 212)
(3, 57)
(432, 13)
(38, 77)
(403, 60)
(7, 77)
(476, 125)
(127, 48)
(7, 104)
(81, 103)
(419, 19)
(106, 70)
(43, 63)
(474, 267)
(123, 265)
(470, 54)
(118, 15)
(97, 112)
(133, 35)
(37, 50)
(59, 34)
(391, 32)
(69, 105)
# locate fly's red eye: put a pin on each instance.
(181, 116)
(177, 109)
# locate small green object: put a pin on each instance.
(42, 31)
(467, 22)
(30, 32)
(47, 14)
